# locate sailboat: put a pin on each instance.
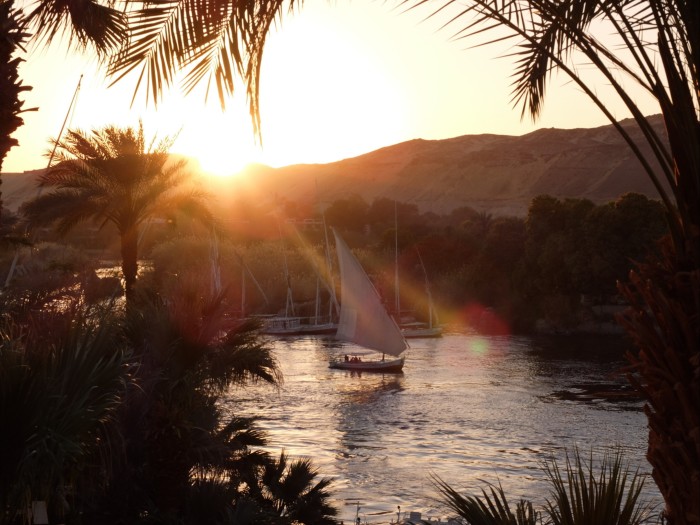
(420, 329)
(413, 328)
(364, 320)
(290, 324)
(319, 324)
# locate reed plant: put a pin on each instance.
(607, 492)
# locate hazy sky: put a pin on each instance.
(339, 80)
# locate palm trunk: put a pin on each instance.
(664, 324)
(129, 248)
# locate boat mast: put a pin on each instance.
(68, 116)
(215, 267)
(318, 300)
(242, 292)
(397, 297)
(289, 306)
(431, 308)
(333, 303)
(246, 270)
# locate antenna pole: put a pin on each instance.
(11, 272)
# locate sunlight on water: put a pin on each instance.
(468, 408)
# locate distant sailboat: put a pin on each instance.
(319, 324)
(413, 328)
(363, 318)
(420, 329)
(291, 324)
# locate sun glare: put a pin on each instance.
(328, 92)
(339, 102)
(221, 141)
(219, 148)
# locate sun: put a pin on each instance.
(337, 101)
(220, 149)
(340, 101)
(222, 141)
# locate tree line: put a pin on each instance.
(553, 264)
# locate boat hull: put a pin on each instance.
(319, 329)
(393, 366)
(290, 326)
(422, 332)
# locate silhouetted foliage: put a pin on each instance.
(111, 176)
(12, 37)
(540, 266)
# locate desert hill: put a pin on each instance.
(498, 174)
(495, 173)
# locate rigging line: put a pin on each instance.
(71, 108)
(69, 115)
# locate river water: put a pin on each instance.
(468, 408)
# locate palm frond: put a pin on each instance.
(491, 508)
(218, 41)
(149, 26)
(84, 21)
(66, 208)
(240, 434)
(581, 496)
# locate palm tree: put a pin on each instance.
(12, 37)
(288, 492)
(111, 176)
(653, 45)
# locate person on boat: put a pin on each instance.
(347, 358)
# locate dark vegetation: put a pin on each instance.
(583, 492)
(560, 264)
(112, 415)
(555, 270)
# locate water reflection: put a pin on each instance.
(467, 408)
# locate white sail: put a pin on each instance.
(363, 318)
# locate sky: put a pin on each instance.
(339, 79)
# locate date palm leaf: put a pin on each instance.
(199, 40)
(556, 36)
(84, 22)
(491, 508)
